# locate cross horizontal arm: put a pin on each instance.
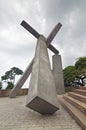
(53, 33)
(53, 49)
(37, 35)
(30, 29)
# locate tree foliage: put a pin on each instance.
(75, 74)
(81, 63)
(69, 73)
(10, 85)
(10, 75)
(0, 85)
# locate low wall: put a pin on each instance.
(5, 93)
(69, 89)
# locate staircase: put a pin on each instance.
(75, 103)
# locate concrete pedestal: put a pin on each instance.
(42, 95)
(58, 74)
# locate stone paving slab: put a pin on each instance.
(14, 115)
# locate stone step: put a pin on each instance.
(78, 96)
(78, 104)
(80, 91)
(79, 116)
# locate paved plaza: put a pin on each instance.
(14, 115)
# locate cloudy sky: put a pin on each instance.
(17, 46)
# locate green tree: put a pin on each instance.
(10, 85)
(69, 74)
(10, 75)
(75, 74)
(80, 65)
(0, 85)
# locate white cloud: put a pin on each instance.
(17, 46)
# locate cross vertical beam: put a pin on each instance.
(42, 95)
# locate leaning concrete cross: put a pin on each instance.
(28, 70)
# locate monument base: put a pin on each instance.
(40, 105)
